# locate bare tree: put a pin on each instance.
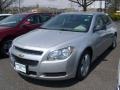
(83, 3)
(116, 4)
(112, 5)
(5, 4)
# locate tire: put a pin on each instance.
(84, 66)
(5, 47)
(114, 43)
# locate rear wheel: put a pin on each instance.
(84, 65)
(114, 43)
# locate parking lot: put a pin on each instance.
(103, 75)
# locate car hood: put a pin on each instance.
(4, 28)
(45, 38)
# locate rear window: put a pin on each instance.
(106, 19)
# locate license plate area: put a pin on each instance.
(20, 67)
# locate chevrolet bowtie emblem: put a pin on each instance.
(21, 55)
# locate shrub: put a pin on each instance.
(115, 17)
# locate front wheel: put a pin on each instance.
(84, 65)
(5, 47)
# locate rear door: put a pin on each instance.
(99, 36)
(109, 30)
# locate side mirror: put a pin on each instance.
(98, 28)
(26, 23)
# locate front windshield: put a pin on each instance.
(69, 22)
(2, 17)
(12, 21)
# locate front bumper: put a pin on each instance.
(46, 70)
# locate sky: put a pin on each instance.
(48, 3)
(55, 3)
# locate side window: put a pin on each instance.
(33, 19)
(44, 18)
(106, 20)
(99, 23)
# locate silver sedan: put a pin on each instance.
(64, 47)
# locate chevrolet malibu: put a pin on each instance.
(64, 47)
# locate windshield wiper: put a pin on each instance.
(70, 29)
(65, 29)
(61, 29)
(43, 28)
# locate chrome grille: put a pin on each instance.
(25, 61)
(29, 51)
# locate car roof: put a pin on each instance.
(85, 13)
(5, 14)
(31, 13)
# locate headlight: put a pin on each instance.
(60, 54)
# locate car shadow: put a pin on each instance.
(51, 83)
(100, 59)
(66, 83)
(3, 57)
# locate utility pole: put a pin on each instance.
(19, 6)
(106, 5)
(100, 5)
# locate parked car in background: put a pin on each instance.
(17, 25)
(3, 16)
(65, 47)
